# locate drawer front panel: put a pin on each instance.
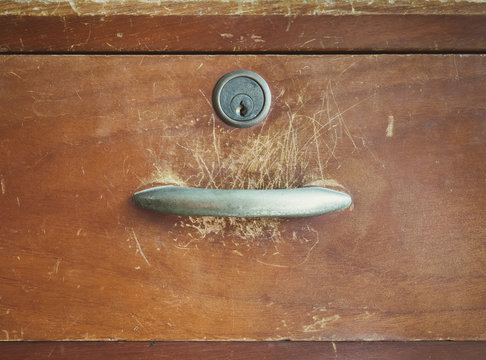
(403, 135)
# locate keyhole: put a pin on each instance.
(242, 109)
(241, 106)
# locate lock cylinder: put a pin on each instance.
(242, 98)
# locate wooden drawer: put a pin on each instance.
(404, 135)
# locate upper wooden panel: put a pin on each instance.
(234, 7)
(243, 33)
(404, 135)
(236, 26)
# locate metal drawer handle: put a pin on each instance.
(300, 202)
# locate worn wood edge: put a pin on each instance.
(234, 7)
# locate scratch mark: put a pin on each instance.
(282, 92)
(349, 67)
(126, 169)
(316, 141)
(312, 247)
(337, 117)
(226, 36)
(7, 336)
(56, 269)
(326, 183)
(307, 42)
(270, 157)
(18, 201)
(74, 7)
(289, 23)
(15, 74)
(455, 67)
(232, 311)
(205, 97)
(257, 39)
(334, 347)
(215, 142)
(139, 247)
(138, 321)
(182, 248)
(270, 264)
(2, 184)
(340, 116)
(320, 324)
(389, 128)
(202, 165)
(306, 258)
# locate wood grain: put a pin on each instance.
(235, 350)
(404, 135)
(234, 7)
(243, 33)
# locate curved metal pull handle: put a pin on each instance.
(300, 202)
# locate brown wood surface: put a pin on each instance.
(249, 350)
(235, 7)
(404, 135)
(243, 33)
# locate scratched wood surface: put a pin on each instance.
(404, 135)
(235, 350)
(234, 7)
(235, 26)
(243, 33)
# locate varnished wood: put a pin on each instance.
(242, 33)
(235, 350)
(404, 135)
(234, 7)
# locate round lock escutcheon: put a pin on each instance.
(242, 98)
